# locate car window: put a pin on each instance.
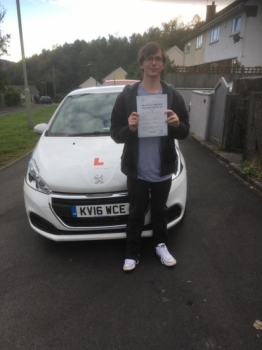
(84, 114)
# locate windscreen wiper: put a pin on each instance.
(95, 133)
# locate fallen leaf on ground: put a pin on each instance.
(258, 324)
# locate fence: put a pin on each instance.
(242, 116)
(202, 77)
(253, 144)
(220, 70)
(243, 128)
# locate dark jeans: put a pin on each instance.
(138, 191)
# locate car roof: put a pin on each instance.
(120, 82)
(97, 90)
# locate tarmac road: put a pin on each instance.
(75, 296)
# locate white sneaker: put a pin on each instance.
(166, 258)
(129, 264)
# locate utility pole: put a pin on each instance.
(27, 91)
(54, 83)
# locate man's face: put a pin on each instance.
(153, 65)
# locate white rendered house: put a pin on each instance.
(228, 38)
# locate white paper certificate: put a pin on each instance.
(152, 115)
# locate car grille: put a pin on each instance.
(46, 226)
(61, 206)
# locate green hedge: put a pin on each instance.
(12, 98)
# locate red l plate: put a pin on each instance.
(97, 162)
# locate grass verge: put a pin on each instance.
(15, 137)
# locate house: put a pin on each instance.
(118, 73)
(228, 38)
(89, 83)
(175, 55)
(21, 89)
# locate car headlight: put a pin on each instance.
(34, 180)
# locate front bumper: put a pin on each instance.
(49, 215)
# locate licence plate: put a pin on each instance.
(92, 211)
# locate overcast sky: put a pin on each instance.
(46, 23)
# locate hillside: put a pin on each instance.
(6, 64)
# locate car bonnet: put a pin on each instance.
(80, 164)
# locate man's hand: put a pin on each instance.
(172, 118)
(133, 121)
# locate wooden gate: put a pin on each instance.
(218, 111)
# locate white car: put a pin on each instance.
(74, 189)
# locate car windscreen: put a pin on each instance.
(84, 115)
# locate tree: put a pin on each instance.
(3, 78)
(76, 62)
(4, 39)
(196, 22)
(12, 97)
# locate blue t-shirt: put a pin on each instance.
(149, 157)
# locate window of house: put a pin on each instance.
(188, 47)
(214, 34)
(236, 24)
(199, 41)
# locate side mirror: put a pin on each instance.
(40, 128)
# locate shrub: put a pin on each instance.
(252, 168)
(12, 97)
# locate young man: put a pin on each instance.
(148, 162)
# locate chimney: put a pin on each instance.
(211, 10)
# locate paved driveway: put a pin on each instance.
(76, 296)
